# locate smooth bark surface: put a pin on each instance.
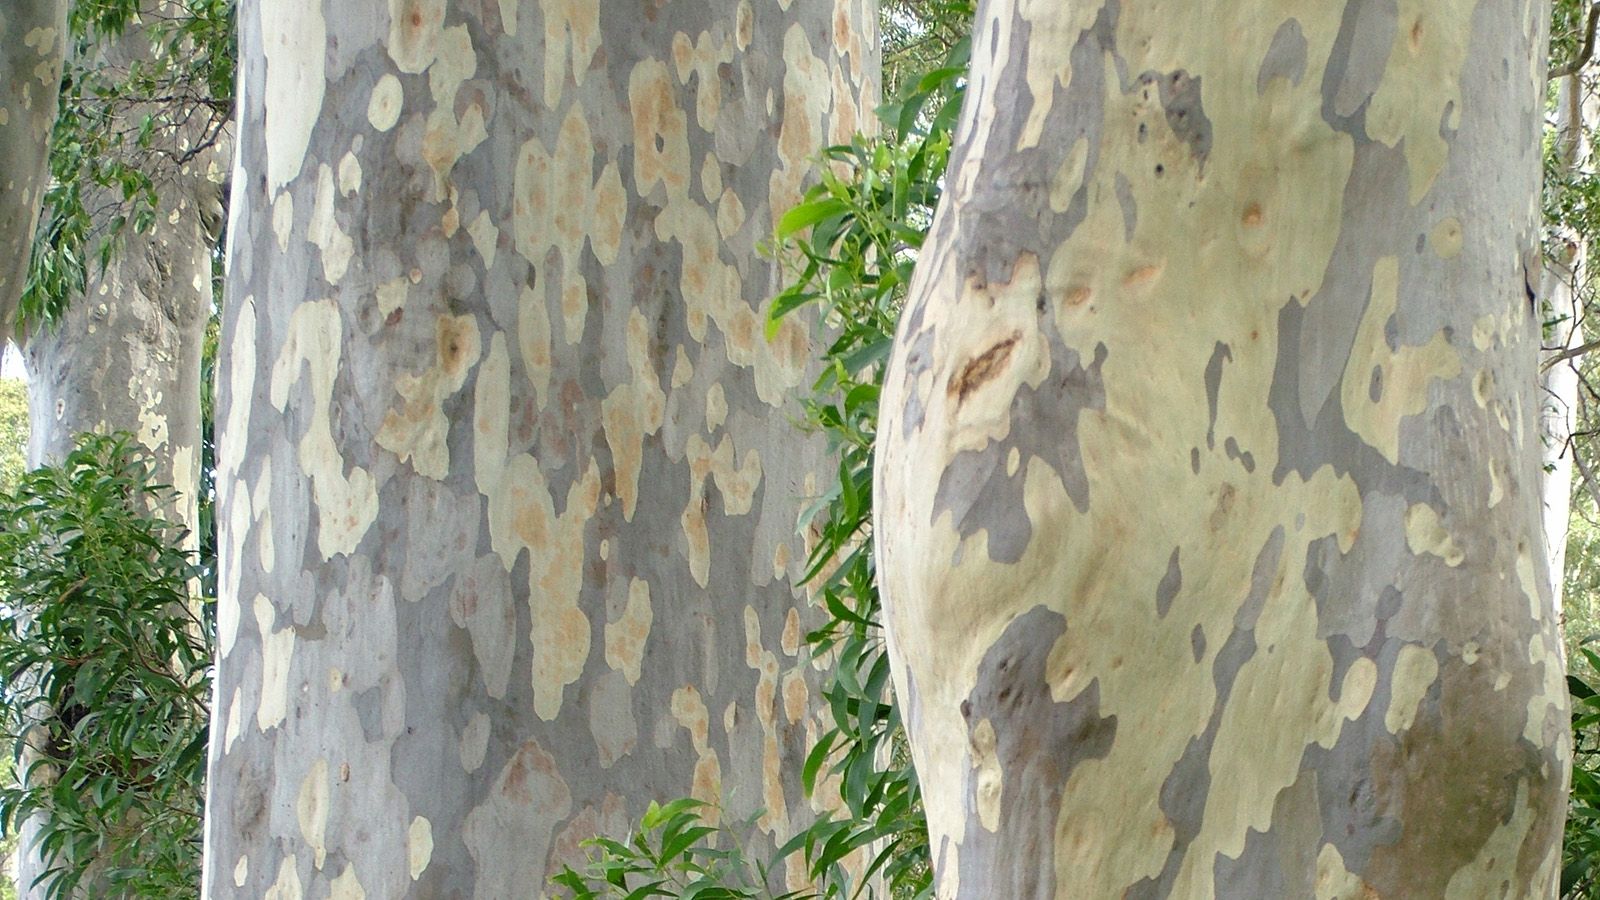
(508, 476)
(1208, 509)
(33, 40)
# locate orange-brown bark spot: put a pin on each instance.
(983, 369)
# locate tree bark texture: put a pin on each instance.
(1208, 505)
(33, 41)
(508, 476)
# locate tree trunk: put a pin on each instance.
(1273, 621)
(126, 356)
(1576, 113)
(33, 41)
(508, 477)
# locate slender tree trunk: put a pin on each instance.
(33, 40)
(1209, 513)
(508, 476)
(1576, 113)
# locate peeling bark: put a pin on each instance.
(1226, 578)
(507, 474)
(33, 41)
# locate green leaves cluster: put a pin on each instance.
(145, 92)
(105, 661)
(1580, 851)
(670, 855)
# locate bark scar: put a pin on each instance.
(983, 369)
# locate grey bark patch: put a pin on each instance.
(1220, 354)
(1309, 439)
(975, 486)
(1244, 457)
(1181, 100)
(1130, 207)
(1170, 584)
(1187, 787)
(1281, 861)
(1197, 641)
(1357, 62)
(1038, 744)
(1285, 58)
(917, 361)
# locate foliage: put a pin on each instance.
(1580, 877)
(106, 675)
(136, 106)
(670, 855)
(13, 431)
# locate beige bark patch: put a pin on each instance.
(1420, 94)
(283, 219)
(311, 808)
(1415, 670)
(241, 871)
(689, 711)
(419, 846)
(296, 40)
(419, 431)
(324, 230)
(347, 886)
(991, 784)
(276, 649)
(1425, 533)
(388, 98)
(287, 885)
(414, 27)
(571, 40)
(626, 637)
(346, 505)
(631, 411)
(1446, 240)
(1405, 374)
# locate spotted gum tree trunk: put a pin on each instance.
(1209, 513)
(33, 40)
(508, 477)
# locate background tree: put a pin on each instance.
(506, 474)
(33, 37)
(1208, 494)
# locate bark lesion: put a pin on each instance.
(983, 368)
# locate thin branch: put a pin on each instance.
(1585, 53)
(1569, 353)
(1588, 476)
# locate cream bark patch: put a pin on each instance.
(347, 504)
(296, 36)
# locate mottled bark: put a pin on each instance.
(1208, 503)
(508, 477)
(33, 40)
